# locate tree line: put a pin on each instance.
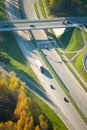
(17, 110)
(67, 7)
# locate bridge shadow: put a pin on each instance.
(18, 11)
(9, 46)
(66, 37)
(63, 40)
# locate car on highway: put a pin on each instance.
(31, 25)
(52, 87)
(66, 100)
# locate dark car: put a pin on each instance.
(52, 87)
(42, 69)
(31, 25)
(66, 100)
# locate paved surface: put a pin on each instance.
(72, 120)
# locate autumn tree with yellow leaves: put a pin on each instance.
(17, 110)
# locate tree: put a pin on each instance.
(51, 2)
(43, 123)
(21, 121)
(37, 127)
(2, 126)
(14, 82)
(29, 124)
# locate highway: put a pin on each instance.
(70, 116)
(20, 25)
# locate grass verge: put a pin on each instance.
(78, 63)
(70, 55)
(42, 9)
(36, 10)
(70, 40)
(2, 10)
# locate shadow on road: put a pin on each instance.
(47, 73)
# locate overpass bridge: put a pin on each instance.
(38, 24)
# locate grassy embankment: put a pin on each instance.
(73, 41)
(78, 63)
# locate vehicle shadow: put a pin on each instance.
(47, 73)
(52, 87)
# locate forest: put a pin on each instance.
(17, 110)
(67, 7)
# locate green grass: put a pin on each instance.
(2, 10)
(72, 40)
(42, 9)
(46, 7)
(36, 10)
(78, 63)
(70, 55)
(9, 45)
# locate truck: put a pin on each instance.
(39, 66)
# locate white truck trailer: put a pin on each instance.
(39, 66)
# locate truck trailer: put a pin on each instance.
(39, 66)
